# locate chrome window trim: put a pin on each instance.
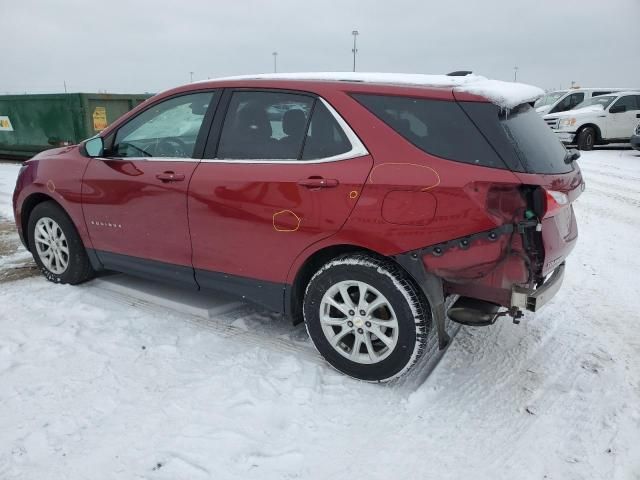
(357, 147)
(148, 159)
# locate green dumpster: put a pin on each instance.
(32, 123)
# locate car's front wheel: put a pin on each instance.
(586, 139)
(56, 246)
(366, 317)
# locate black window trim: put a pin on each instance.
(210, 153)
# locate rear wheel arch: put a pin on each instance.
(294, 294)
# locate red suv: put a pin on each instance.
(355, 206)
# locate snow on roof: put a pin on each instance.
(503, 94)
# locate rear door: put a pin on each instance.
(285, 173)
(135, 197)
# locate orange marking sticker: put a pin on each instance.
(283, 219)
(431, 170)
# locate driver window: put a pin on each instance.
(168, 129)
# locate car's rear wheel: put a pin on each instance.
(586, 138)
(56, 246)
(366, 317)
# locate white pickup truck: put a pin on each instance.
(563, 100)
(600, 120)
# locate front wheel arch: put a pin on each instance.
(28, 204)
(598, 138)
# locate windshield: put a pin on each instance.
(548, 99)
(604, 100)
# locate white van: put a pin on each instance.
(563, 100)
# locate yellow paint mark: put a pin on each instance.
(353, 194)
(99, 119)
(285, 212)
(413, 165)
(51, 186)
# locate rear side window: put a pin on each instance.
(265, 125)
(437, 127)
(325, 138)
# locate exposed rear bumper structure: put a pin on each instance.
(534, 299)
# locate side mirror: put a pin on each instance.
(572, 156)
(94, 147)
(618, 109)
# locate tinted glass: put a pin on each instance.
(325, 137)
(568, 102)
(264, 125)
(534, 143)
(168, 129)
(437, 127)
(629, 101)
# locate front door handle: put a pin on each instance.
(167, 177)
(318, 182)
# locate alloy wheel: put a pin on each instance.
(51, 245)
(359, 322)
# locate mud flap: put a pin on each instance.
(432, 288)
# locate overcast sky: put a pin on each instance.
(151, 45)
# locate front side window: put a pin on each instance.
(168, 129)
(265, 125)
(629, 102)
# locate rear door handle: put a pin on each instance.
(318, 182)
(167, 177)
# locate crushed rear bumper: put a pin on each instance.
(534, 299)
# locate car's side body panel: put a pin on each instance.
(55, 174)
(129, 211)
(251, 219)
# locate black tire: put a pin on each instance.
(78, 268)
(407, 301)
(586, 139)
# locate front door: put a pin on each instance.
(135, 197)
(287, 173)
(621, 123)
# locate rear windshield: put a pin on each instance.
(438, 127)
(535, 144)
(548, 99)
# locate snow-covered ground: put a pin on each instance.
(96, 385)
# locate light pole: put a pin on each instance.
(275, 62)
(191, 76)
(355, 34)
(515, 73)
